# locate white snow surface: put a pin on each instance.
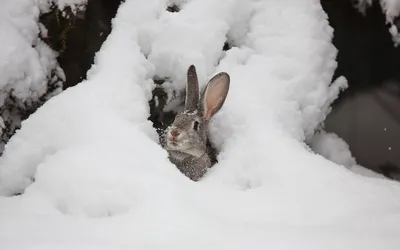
(102, 181)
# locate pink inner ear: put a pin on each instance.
(214, 98)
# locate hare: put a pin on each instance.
(187, 137)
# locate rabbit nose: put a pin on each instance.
(175, 133)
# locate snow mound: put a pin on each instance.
(92, 153)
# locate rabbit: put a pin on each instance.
(187, 137)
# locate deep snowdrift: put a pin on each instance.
(103, 182)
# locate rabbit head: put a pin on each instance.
(188, 133)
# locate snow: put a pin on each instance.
(391, 8)
(333, 148)
(102, 181)
(28, 66)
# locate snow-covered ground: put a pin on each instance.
(102, 181)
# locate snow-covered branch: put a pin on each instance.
(29, 71)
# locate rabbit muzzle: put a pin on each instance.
(174, 139)
(177, 140)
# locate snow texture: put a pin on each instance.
(333, 148)
(102, 181)
(29, 72)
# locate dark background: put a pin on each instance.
(367, 114)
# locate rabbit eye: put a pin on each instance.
(196, 125)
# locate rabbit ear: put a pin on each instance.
(192, 90)
(214, 95)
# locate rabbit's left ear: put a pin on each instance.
(214, 95)
(192, 90)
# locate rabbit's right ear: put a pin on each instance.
(214, 95)
(192, 90)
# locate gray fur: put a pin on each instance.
(189, 150)
(192, 90)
